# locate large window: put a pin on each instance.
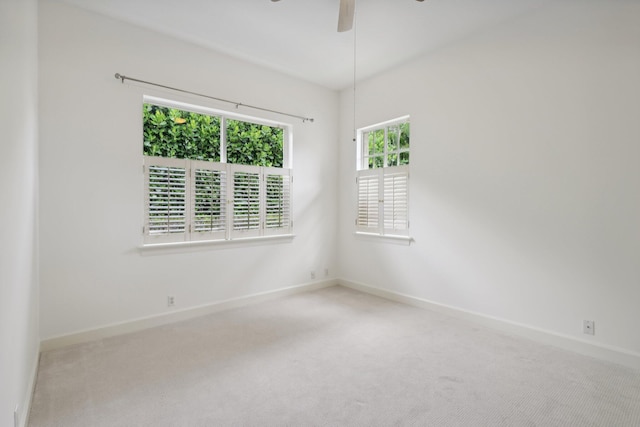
(212, 175)
(383, 178)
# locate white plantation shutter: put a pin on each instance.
(396, 200)
(188, 200)
(277, 201)
(208, 200)
(368, 189)
(247, 215)
(165, 200)
(383, 201)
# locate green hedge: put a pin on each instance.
(173, 133)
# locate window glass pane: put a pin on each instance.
(376, 162)
(168, 132)
(386, 142)
(365, 144)
(404, 158)
(392, 138)
(376, 142)
(371, 143)
(404, 135)
(254, 144)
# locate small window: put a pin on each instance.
(212, 175)
(383, 178)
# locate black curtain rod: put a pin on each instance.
(237, 104)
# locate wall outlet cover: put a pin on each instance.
(588, 327)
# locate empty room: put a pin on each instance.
(320, 213)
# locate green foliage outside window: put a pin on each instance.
(252, 144)
(173, 133)
(397, 141)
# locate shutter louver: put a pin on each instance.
(396, 186)
(368, 201)
(165, 201)
(199, 200)
(277, 201)
(246, 203)
(209, 199)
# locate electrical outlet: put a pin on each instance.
(171, 301)
(588, 327)
(326, 272)
(313, 274)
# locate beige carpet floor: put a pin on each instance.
(333, 357)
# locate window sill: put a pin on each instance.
(204, 244)
(381, 238)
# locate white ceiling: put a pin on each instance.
(299, 37)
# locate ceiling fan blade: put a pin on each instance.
(345, 18)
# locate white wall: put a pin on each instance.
(525, 185)
(93, 273)
(19, 339)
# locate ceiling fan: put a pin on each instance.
(346, 14)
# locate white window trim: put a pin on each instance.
(360, 152)
(372, 237)
(378, 232)
(229, 236)
(190, 245)
(287, 143)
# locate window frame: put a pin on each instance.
(362, 147)
(382, 209)
(287, 143)
(230, 233)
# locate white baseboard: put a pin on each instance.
(597, 350)
(601, 351)
(176, 316)
(25, 410)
